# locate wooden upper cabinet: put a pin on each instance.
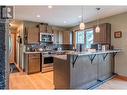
(32, 35)
(49, 29)
(67, 37)
(56, 36)
(43, 28)
(104, 36)
(60, 37)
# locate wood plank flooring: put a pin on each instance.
(30, 82)
(45, 81)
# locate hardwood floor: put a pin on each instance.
(45, 81)
(115, 83)
(33, 81)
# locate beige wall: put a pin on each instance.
(118, 23)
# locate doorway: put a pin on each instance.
(12, 50)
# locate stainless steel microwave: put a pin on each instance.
(46, 38)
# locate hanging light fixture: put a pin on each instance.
(97, 29)
(82, 25)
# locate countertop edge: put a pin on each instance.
(97, 52)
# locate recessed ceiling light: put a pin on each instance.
(79, 16)
(38, 16)
(65, 22)
(50, 6)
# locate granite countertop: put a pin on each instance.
(63, 57)
(57, 52)
(96, 52)
(31, 52)
(80, 53)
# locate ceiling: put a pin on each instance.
(65, 16)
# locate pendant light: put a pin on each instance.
(97, 29)
(82, 25)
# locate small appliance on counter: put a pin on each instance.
(100, 46)
(96, 46)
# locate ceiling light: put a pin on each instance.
(79, 16)
(82, 24)
(38, 16)
(65, 22)
(50, 6)
(97, 29)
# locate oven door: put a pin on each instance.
(47, 64)
(47, 61)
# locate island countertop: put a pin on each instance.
(63, 57)
(96, 52)
(83, 70)
(27, 52)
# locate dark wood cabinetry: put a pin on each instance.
(104, 36)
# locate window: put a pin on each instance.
(80, 37)
(85, 37)
(89, 38)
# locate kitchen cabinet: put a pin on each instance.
(58, 36)
(67, 37)
(49, 29)
(31, 35)
(43, 27)
(104, 36)
(32, 63)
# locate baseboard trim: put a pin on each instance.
(122, 77)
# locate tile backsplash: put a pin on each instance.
(35, 47)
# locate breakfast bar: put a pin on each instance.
(83, 70)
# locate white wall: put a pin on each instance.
(118, 23)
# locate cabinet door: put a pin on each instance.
(43, 28)
(34, 63)
(66, 37)
(49, 29)
(56, 36)
(33, 35)
(104, 36)
(60, 37)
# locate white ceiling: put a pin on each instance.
(58, 14)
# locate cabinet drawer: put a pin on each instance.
(34, 55)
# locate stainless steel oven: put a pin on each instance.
(47, 62)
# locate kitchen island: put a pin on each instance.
(83, 70)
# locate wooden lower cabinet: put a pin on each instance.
(33, 63)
